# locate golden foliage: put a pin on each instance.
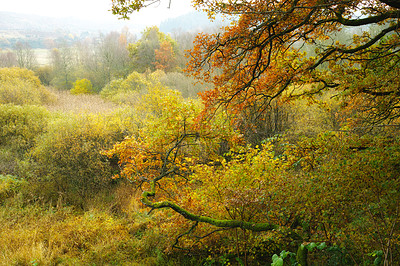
(47, 237)
(21, 86)
(82, 86)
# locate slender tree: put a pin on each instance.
(25, 56)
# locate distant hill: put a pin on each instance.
(191, 22)
(16, 21)
(39, 30)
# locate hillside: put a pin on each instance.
(38, 31)
(191, 22)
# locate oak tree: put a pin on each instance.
(260, 57)
(259, 61)
(165, 58)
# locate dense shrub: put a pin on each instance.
(21, 86)
(10, 186)
(125, 90)
(66, 164)
(19, 128)
(20, 125)
(44, 73)
(129, 90)
(82, 86)
(348, 191)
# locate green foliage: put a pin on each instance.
(378, 254)
(20, 125)
(66, 163)
(129, 90)
(10, 186)
(82, 86)
(44, 73)
(300, 258)
(21, 86)
(143, 52)
(311, 246)
(350, 187)
(278, 260)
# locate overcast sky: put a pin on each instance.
(95, 9)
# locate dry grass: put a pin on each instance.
(82, 103)
(39, 235)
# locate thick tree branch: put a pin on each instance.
(366, 45)
(368, 20)
(392, 3)
(256, 227)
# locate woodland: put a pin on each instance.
(273, 140)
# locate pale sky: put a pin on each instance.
(95, 9)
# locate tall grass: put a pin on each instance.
(37, 236)
(114, 231)
(89, 103)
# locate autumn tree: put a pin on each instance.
(82, 86)
(258, 56)
(257, 62)
(165, 57)
(152, 42)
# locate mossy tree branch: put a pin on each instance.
(167, 171)
(256, 227)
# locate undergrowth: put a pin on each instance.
(39, 234)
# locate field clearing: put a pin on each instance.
(43, 56)
(82, 103)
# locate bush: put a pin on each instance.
(66, 164)
(20, 125)
(127, 91)
(134, 82)
(44, 73)
(10, 186)
(19, 128)
(21, 86)
(82, 86)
